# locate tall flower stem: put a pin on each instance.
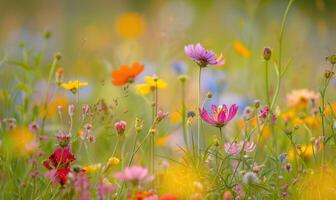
(45, 106)
(322, 109)
(267, 84)
(183, 113)
(199, 106)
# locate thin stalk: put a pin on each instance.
(267, 84)
(184, 128)
(51, 72)
(199, 105)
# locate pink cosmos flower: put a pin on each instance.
(220, 115)
(134, 174)
(234, 148)
(202, 56)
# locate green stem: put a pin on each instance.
(266, 84)
(184, 128)
(198, 107)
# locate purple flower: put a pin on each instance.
(220, 115)
(134, 174)
(202, 56)
(120, 127)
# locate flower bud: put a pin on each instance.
(120, 127)
(256, 103)
(209, 95)
(71, 110)
(332, 59)
(86, 109)
(227, 196)
(91, 138)
(138, 125)
(267, 53)
(47, 34)
(328, 74)
(63, 139)
(182, 78)
(58, 56)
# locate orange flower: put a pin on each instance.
(126, 74)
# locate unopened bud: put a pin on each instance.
(328, 74)
(267, 53)
(331, 59)
(209, 95)
(58, 56)
(120, 127)
(71, 110)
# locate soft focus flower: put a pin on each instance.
(130, 25)
(113, 161)
(22, 141)
(120, 127)
(59, 75)
(105, 188)
(227, 195)
(179, 67)
(91, 168)
(144, 195)
(63, 139)
(305, 151)
(169, 197)
(151, 83)
(126, 74)
(82, 186)
(234, 148)
(202, 56)
(73, 86)
(134, 174)
(220, 115)
(241, 49)
(302, 98)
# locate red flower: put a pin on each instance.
(60, 160)
(169, 197)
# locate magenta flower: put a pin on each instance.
(202, 56)
(220, 115)
(134, 174)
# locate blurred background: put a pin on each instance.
(96, 36)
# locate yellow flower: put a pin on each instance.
(73, 86)
(113, 161)
(151, 83)
(91, 168)
(241, 49)
(51, 110)
(130, 25)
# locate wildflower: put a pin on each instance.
(175, 117)
(120, 127)
(202, 56)
(73, 86)
(34, 127)
(220, 115)
(301, 98)
(105, 188)
(169, 197)
(63, 139)
(151, 83)
(144, 195)
(134, 174)
(241, 49)
(85, 109)
(60, 162)
(130, 25)
(161, 115)
(267, 53)
(126, 74)
(91, 138)
(250, 178)
(234, 148)
(91, 168)
(82, 186)
(113, 161)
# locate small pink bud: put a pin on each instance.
(63, 139)
(161, 115)
(120, 127)
(86, 109)
(71, 110)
